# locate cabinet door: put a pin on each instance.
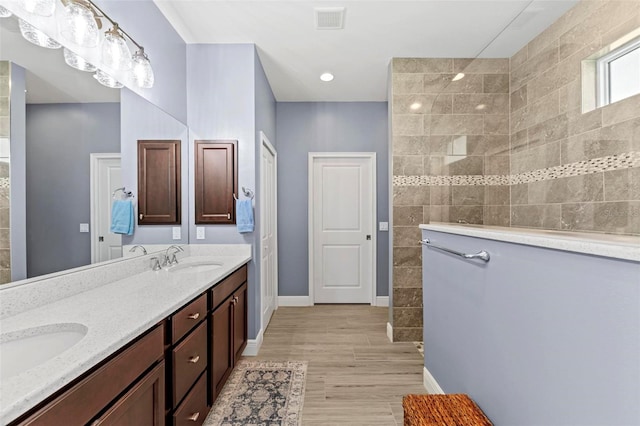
(159, 196)
(142, 405)
(239, 321)
(216, 180)
(221, 361)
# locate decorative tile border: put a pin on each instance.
(4, 183)
(580, 168)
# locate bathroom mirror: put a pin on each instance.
(67, 117)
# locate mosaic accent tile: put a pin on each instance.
(580, 168)
(4, 183)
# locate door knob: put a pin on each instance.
(368, 237)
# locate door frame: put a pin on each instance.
(94, 159)
(374, 254)
(266, 144)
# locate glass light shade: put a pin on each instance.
(106, 80)
(39, 7)
(142, 71)
(4, 13)
(77, 62)
(37, 37)
(78, 25)
(115, 52)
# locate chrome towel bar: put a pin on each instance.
(480, 255)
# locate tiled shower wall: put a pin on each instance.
(444, 132)
(589, 185)
(5, 252)
(508, 145)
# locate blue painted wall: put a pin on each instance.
(141, 120)
(166, 49)
(59, 139)
(536, 336)
(304, 127)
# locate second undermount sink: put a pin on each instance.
(195, 267)
(25, 349)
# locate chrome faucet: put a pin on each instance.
(155, 264)
(132, 249)
(173, 260)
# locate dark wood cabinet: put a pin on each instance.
(216, 181)
(228, 328)
(143, 405)
(159, 187)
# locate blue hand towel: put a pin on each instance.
(122, 217)
(244, 216)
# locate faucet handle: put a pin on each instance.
(155, 264)
(174, 260)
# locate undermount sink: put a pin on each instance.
(195, 267)
(25, 349)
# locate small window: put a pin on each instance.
(618, 73)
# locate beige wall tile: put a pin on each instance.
(408, 165)
(553, 129)
(483, 103)
(408, 125)
(422, 65)
(481, 66)
(407, 297)
(519, 98)
(496, 124)
(422, 104)
(404, 334)
(407, 256)
(406, 236)
(5, 239)
(468, 195)
(519, 58)
(407, 215)
(535, 112)
(467, 214)
(497, 215)
(623, 110)
(496, 83)
(441, 83)
(5, 217)
(407, 317)
(410, 277)
(534, 66)
(407, 83)
(497, 165)
(5, 258)
(594, 144)
(622, 185)
(570, 96)
(547, 216)
(411, 145)
(410, 195)
(496, 195)
(519, 194)
(441, 195)
(457, 125)
(580, 122)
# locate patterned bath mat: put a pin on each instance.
(264, 393)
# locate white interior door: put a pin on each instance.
(106, 178)
(269, 246)
(343, 217)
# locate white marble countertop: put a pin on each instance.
(625, 247)
(114, 314)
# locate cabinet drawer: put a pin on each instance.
(188, 317)
(84, 400)
(193, 409)
(224, 289)
(189, 360)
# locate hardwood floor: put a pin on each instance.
(355, 375)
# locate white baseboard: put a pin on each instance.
(253, 345)
(390, 332)
(430, 383)
(382, 301)
(294, 301)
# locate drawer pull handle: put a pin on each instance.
(194, 417)
(194, 359)
(194, 316)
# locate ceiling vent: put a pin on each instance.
(329, 18)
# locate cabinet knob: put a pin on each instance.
(194, 417)
(194, 359)
(194, 316)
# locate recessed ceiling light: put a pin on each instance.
(327, 76)
(480, 107)
(415, 106)
(458, 76)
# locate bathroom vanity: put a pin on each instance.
(155, 348)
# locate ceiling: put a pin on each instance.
(294, 53)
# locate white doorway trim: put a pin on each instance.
(372, 157)
(265, 144)
(94, 159)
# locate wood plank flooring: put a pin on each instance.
(355, 375)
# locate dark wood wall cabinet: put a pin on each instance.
(169, 376)
(159, 187)
(216, 180)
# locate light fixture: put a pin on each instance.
(142, 71)
(77, 62)
(415, 106)
(37, 37)
(39, 7)
(327, 76)
(115, 52)
(4, 13)
(79, 25)
(480, 107)
(458, 76)
(106, 80)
